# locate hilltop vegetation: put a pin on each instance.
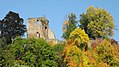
(87, 43)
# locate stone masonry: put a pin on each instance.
(39, 28)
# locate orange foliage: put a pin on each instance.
(116, 52)
(71, 62)
(66, 22)
(104, 54)
(102, 64)
(96, 43)
(92, 58)
(71, 54)
(52, 43)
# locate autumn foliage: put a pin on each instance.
(85, 45)
(103, 54)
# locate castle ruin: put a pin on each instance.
(39, 28)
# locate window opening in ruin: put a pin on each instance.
(38, 34)
(45, 28)
(38, 22)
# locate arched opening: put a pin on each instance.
(37, 34)
(45, 27)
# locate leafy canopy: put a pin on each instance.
(97, 23)
(105, 53)
(78, 37)
(34, 52)
(69, 25)
(12, 26)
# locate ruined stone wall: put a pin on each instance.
(39, 28)
(36, 28)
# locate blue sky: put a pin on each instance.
(56, 10)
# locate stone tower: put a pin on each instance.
(37, 27)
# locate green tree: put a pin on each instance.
(6, 58)
(38, 52)
(69, 25)
(3, 43)
(17, 48)
(59, 49)
(11, 26)
(97, 23)
(33, 52)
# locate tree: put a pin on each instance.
(17, 48)
(69, 25)
(105, 53)
(38, 52)
(8, 54)
(6, 58)
(11, 26)
(3, 43)
(97, 23)
(74, 57)
(79, 38)
(59, 49)
(33, 52)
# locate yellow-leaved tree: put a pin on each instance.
(74, 57)
(79, 37)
